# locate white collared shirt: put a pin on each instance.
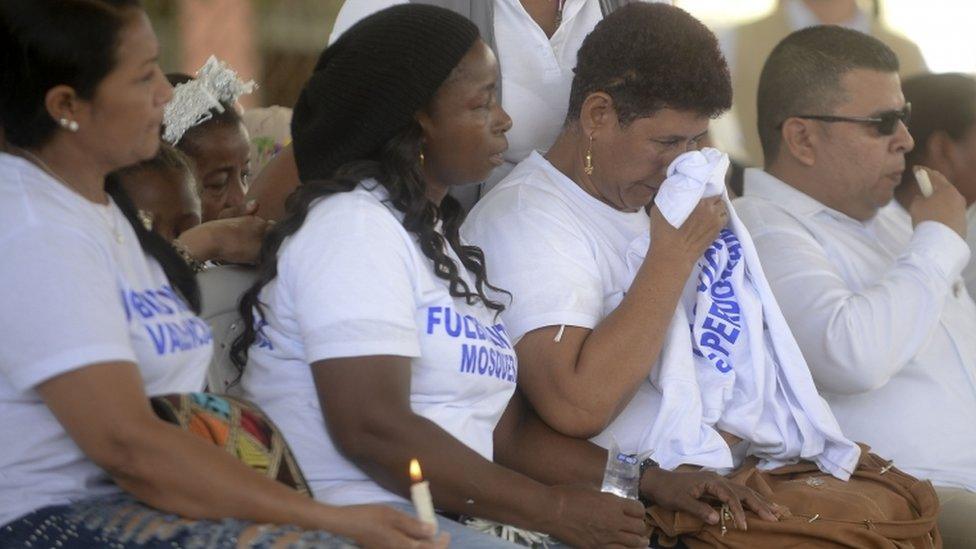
(885, 324)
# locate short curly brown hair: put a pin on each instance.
(648, 57)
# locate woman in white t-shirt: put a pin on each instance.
(98, 313)
(586, 331)
(370, 340)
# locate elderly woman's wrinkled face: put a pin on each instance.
(221, 154)
(630, 161)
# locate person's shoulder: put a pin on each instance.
(30, 203)
(762, 214)
(359, 215)
(529, 189)
(366, 203)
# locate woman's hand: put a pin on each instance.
(689, 242)
(684, 491)
(379, 526)
(588, 518)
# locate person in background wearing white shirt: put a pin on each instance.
(98, 312)
(871, 291)
(370, 338)
(944, 127)
(535, 42)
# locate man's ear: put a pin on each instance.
(800, 140)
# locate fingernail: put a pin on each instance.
(713, 518)
(251, 203)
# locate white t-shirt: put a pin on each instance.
(353, 282)
(563, 255)
(73, 296)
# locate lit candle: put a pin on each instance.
(420, 494)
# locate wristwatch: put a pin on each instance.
(646, 464)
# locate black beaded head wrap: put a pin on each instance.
(368, 85)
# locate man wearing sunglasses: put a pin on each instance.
(871, 290)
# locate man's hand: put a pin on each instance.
(945, 206)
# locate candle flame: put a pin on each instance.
(415, 474)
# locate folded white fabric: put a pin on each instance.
(730, 362)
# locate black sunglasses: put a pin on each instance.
(885, 122)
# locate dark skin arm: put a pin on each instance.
(525, 443)
(382, 437)
(104, 409)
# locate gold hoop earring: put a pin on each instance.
(588, 160)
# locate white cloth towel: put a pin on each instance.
(730, 362)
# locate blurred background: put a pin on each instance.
(276, 42)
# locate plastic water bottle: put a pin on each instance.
(622, 474)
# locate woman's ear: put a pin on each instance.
(425, 122)
(597, 113)
(62, 102)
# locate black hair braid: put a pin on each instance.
(398, 170)
(176, 270)
(472, 257)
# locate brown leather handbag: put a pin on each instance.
(879, 507)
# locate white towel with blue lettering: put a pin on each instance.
(730, 362)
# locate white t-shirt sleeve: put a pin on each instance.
(351, 277)
(545, 262)
(62, 309)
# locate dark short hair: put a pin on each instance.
(940, 103)
(48, 43)
(803, 76)
(648, 57)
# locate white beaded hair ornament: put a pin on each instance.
(192, 101)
